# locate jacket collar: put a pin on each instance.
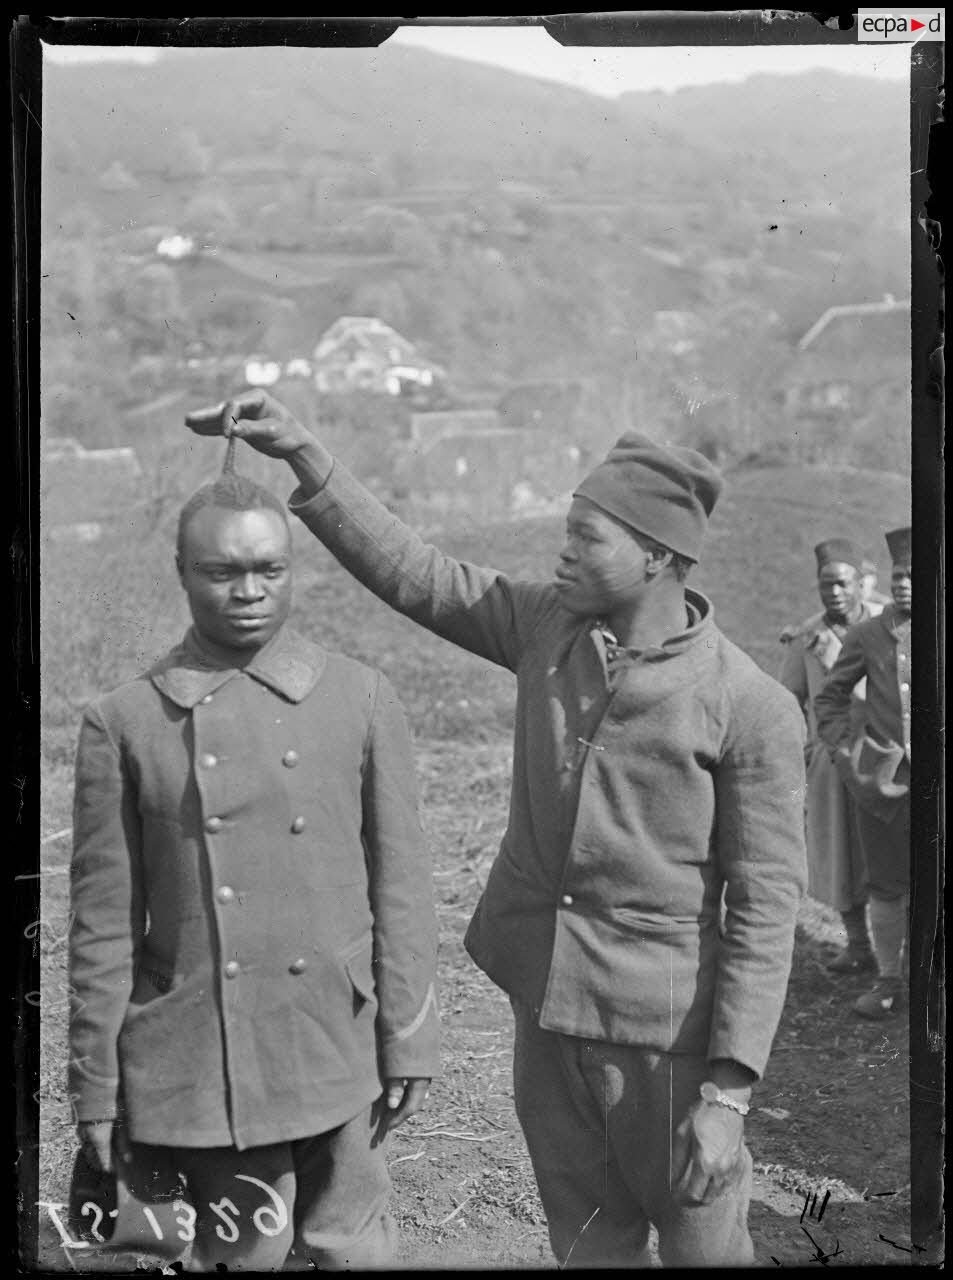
(288, 664)
(891, 622)
(700, 614)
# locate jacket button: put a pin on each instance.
(226, 894)
(297, 826)
(290, 759)
(208, 761)
(213, 824)
(298, 966)
(231, 970)
(207, 698)
(904, 688)
(566, 899)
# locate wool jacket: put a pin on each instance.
(253, 945)
(835, 861)
(642, 808)
(878, 772)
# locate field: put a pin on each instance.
(831, 1114)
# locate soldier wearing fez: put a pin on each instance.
(875, 766)
(641, 911)
(837, 875)
(253, 951)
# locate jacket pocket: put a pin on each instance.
(152, 980)
(358, 965)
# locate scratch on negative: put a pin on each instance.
(565, 1261)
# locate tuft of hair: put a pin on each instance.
(233, 492)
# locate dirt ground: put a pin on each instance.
(831, 1115)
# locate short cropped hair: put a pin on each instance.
(232, 491)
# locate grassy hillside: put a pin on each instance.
(514, 228)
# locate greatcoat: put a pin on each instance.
(640, 811)
(877, 771)
(835, 861)
(253, 946)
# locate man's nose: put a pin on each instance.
(248, 587)
(568, 553)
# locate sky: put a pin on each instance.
(608, 72)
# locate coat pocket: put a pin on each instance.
(358, 966)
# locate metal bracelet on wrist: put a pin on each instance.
(711, 1093)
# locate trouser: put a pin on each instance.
(320, 1200)
(598, 1121)
(887, 850)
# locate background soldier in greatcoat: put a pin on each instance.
(253, 951)
(876, 767)
(837, 874)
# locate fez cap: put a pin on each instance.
(839, 551)
(900, 545)
(664, 492)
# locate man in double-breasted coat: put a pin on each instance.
(658, 778)
(875, 766)
(253, 947)
(837, 874)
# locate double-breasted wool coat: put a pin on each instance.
(835, 859)
(648, 882)
(877, 772)
(253, 948)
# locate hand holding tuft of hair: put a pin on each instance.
(256, 418)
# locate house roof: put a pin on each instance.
(87, 485)
(887, 306)
(427, 429)
(368, 332)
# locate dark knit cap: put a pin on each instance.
(664, 492)
(839, 551)
(900, 546)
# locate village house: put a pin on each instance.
(850, 358)
(465, 460)
(83, 490)
(362, 353)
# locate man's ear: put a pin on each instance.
(659, 558)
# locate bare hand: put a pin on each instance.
(401, 1099)
(97, 1137)
(709, 1143)
(255, 417)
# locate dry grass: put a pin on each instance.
(463, 1183)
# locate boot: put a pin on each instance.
(887, 997)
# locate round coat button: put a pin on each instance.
(290, 759)
(208, 761)
(567, 899)
(226, 894)
(207, 698)
(298, 825)
(904, 688)
(232, 969)
(213, 824)
(298, 966)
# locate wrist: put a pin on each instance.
(312, 465)
(732, 1077)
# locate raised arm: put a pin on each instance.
(478, 609)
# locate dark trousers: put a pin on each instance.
(886, 848)
(598, 1120)
(319, 1200)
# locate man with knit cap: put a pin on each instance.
(875, 766)
(836, 872)
(640, 914)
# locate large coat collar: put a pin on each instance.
(288, 664)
